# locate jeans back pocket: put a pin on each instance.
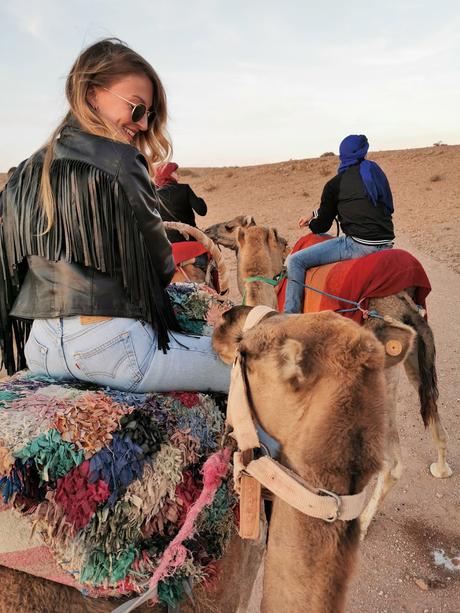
(36, 356)
(112, 363)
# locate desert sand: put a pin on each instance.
(419, 523)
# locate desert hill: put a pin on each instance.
(425, 184)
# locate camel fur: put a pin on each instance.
(315, 383)
(419, 365)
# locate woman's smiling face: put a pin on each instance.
(136, 88)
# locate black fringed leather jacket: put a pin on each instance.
(106, 254)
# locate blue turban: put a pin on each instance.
(353, 150)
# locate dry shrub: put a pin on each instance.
(435, 178)
(328, 154)
(325, 172)
(209, 187)
(229, 174)
(305, 194)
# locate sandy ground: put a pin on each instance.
(421, 517)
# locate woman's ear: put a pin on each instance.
(91, 97)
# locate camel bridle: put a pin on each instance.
(266, 471)
(274, 282)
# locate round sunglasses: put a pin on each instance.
(139, 110)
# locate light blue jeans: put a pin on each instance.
(333, 250)
(123, 354)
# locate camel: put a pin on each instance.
(313, 394)
(419, 364)
(315, 382)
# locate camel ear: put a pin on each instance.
(272, 238)
(240, 238)
(291, 357)
(397, 339)
(231, 225)
(248, 221)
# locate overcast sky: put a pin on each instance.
(247, 81)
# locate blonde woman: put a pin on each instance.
(83, 250)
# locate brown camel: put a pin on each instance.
(419, 365)
(297, 373)
(315, 383)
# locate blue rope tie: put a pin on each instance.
(356, 305)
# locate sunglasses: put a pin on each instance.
(139, 110)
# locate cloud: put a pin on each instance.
(389, 51)
(29, 18)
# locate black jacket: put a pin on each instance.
(345, 196)
(177, 203)
(107, 252)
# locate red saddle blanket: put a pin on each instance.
(373, 276)
(187, 250)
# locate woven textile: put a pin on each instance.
(105, 478)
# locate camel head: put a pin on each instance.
(297, 363)
(260, 253)
(253, 239)
(225, 233)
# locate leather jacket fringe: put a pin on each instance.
(105, 220)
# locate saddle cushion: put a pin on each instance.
(373, 276)
(105, 478)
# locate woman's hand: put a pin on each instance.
(304, 221)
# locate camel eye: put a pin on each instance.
(228, 228)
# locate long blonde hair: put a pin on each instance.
(102, 64)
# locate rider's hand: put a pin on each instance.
(304, 221)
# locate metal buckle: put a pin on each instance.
(265, 451)
(338, 502)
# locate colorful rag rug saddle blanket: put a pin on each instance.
(105, 481)
(374, 276)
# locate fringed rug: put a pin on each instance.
(105, 478)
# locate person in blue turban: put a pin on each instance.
(359, 196)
